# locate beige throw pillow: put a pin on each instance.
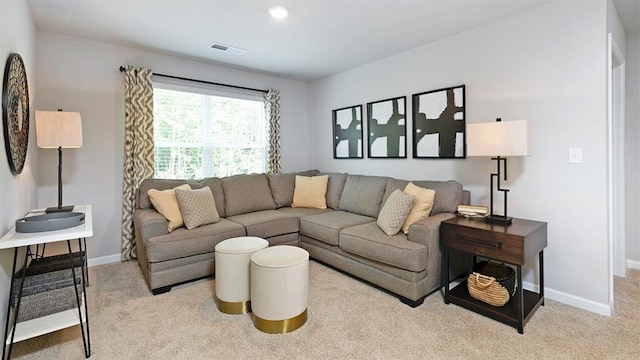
(198, 207)
(310, 192)
(422, 204)
(394, 212)
(166, 203)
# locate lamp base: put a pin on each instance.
(498, 219)
(55, 209)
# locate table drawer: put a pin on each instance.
(502, 247)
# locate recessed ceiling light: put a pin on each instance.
(279, 12)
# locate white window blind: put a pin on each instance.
(200, 132)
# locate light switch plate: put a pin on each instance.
(575, 155)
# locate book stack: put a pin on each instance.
(473, 211)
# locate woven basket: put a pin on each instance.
(491, 283)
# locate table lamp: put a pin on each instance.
(498, 140)
(58, 129)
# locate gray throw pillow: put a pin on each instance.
(197, 206)
(394, 212)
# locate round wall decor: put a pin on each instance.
(15, 112)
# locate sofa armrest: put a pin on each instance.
(427, 231)
(149, 223)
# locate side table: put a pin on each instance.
(18, 331)
(512, 244)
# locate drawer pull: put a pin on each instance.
(479, 242)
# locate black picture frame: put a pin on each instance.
(347, 132)
(387, 128)
(439, 124)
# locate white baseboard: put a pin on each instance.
(632, 264)
(103, 260)
(582, 303)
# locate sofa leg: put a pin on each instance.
(412, 303)
(161, 290)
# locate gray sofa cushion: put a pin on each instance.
(363, 194)
(143, 201)
(267, 223)
(283, 184)
(247, 193)
(449, 193)
(215, 184)
(369, 241)
(326, 227)
(184, 243)
(335, 186)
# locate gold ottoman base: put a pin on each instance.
(280, 326)
(234, 308)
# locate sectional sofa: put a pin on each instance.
(344, 236)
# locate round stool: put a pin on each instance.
(232, 258)
(279, 288)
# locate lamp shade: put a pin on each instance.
(500, 138)
(58, 129)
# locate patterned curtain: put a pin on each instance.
(272, 112)
(138, 147)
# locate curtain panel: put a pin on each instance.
(272, 112)
(138, 147)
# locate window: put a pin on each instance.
(203, 133)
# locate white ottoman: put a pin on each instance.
(279, 288)
(232, 262)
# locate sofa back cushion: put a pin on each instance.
(283, 184)
(247, 193)
(363, 194)
(215, 184)
(449, 193)
(143, 201)
(335, 186)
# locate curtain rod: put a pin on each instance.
(204, 82)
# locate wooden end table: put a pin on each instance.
(513, 244)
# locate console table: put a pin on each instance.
(18, 331)
(512, 244)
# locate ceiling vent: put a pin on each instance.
(228, 49)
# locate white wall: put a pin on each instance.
(18, 194)
(535, 65)
(632, 140)
(81, 75)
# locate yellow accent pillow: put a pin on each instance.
(310, 192)
(422, 205)
(166, 203)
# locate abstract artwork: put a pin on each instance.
(439, 124)
(347, 133)
(387, 130)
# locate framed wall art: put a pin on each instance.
(439, 124)
(386, 128)
(347, 133)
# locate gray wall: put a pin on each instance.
(537, 66)
(19, 192)
(632, 141)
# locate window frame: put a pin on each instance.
(217, 91)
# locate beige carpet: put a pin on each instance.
(347, 320)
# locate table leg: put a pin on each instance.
(541, 263)
(6, 354)
(85, 281)
(519, 300)
(445, 274)
(75, 288)
(86, 265)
